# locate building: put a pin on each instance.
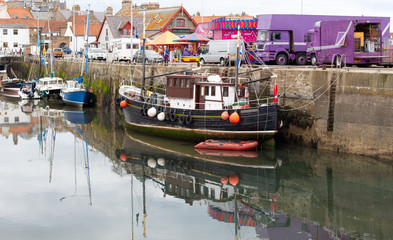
(14, 37)
(174, 19)
(77, 35)
(115, 27)
(14, 13)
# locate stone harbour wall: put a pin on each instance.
(344, 110)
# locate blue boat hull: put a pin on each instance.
(78, 98)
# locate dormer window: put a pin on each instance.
(180, 22)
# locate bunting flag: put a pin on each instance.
(275, 91)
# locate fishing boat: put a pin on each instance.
(199, 106)
(234, 145)
(48, 86)
(28, 91)
(11, 86)
(75, 92)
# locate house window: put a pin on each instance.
(175, 82)
(170, 82)
(213, 91)
(124, 31)
(128, 46)
(5, 31)
(207, 90)
(5, 44)
(106, 46)
(16, 119)
(180, 22)
(106, 32)
(202, 91)
(15, 44)
(15, 31)
(6, 120)
(225, 92)
(188, 83)
(182, 83)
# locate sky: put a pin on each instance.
(381, 8)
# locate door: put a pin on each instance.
(199, 97)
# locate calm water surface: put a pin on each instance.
(71, 174)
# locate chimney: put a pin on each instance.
(76, 8)
(126, 4)
(109, 11)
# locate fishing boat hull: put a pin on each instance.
(257, 123)
(77, 98)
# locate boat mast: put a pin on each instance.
(51, 49)
(131, 36)
(143, 56)
(87, 42)
(237, 64)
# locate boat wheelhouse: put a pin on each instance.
(49, 85)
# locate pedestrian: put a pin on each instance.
(166, 55)
(199, 51)
(178, 54)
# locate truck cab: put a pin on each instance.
(278, 47)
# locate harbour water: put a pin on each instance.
(72, 174)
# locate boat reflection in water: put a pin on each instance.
(240, 192)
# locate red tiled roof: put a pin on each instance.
(20, 12)
(79, 19)
(198, 19)
(54, 26)
(80, 30)
(28, 22)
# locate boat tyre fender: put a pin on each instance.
(182, 119)
(189, 119)
(173, 116)
(167, 116)
(118, 101)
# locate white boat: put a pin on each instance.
(49, 85)
(28, 91)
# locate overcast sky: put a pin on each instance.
(382, 8)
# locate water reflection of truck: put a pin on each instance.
(120, 49)
(358, 41)
(281, 37)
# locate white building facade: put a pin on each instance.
(14, 38)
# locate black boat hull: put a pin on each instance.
(258, 123)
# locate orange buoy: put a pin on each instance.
(224, 180)
(245, 106)
(234, 179)
(240, 85)
(123, 157)
(123, 104)
(225, 115)
(234, 118)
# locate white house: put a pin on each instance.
(14, 37)
(78, 38)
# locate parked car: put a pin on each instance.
(58, 52)
(150, 57)
(96, 54)
(66, 50)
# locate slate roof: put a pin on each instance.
(115, 21)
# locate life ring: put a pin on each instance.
(182, 119)
(173, 116)
(189, 119)
(245, 106)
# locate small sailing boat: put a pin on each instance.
(75, 92)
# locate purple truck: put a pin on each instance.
(357, 41)
(281, 37)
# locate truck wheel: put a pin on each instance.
(337, 61)
(282, 59)
(146, 61)
(222, 62)
(314, 60)
(202, 61)
(301, 59)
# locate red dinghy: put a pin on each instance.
(234, 145)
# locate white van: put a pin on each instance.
(120, 48)
(221, 51)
